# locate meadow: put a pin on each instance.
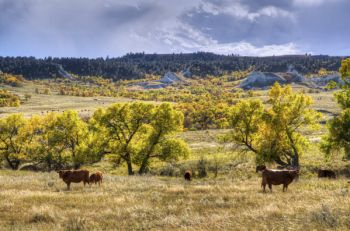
(40, 104)
(228, 198)
(39, 201)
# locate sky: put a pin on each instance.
(100, 28)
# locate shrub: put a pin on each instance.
(324, 216)
(202, 167)
(7, 99)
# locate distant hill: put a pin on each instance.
(136, 65)
(263, 80)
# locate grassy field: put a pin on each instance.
(39, 201)
(229, 198)
(41, 104)
(231, 201)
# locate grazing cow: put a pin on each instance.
(276, 177)
(188, 175)
(326, 173)
(75, 176)
(260, 168)
(96, 178)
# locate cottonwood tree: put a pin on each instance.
(60, 140)
(120, 126)
(273, 132)
(45, 150)
(158, 142)
(134, 133)
(338, 137)
(14, 139)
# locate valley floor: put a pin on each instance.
(40, 201)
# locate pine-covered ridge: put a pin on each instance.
(137, 65)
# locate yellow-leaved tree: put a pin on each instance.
(136, 133)
(338, 137)
(273, 132)
(14, 139)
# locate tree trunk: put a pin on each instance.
(130, 171)
(12, 166)
(295, 160)
(295, 157)
(143, 166)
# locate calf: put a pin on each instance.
(188, 175)
(75, 176)
(276, 177)
(326, 173)
(96, 178)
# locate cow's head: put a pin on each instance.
(62, 173)
(260, 168)
(295, 173)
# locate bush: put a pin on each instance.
(325, 217)
(7, 99)
(202, 167)
(42, 214)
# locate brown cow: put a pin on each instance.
(326, 173)
(75, 176)
(277, 177)
(96, 178)
(188, 175)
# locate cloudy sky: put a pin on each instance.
(97, 28)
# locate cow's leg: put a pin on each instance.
(270, 187)
(263, 185)
(68, 186)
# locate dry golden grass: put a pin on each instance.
(39, 201)
(232, 201)
(41, 104)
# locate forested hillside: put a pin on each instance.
(136, 65)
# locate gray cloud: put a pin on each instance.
(114, 27)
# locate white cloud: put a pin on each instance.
(184, 38)
(239, 10)
(273, 12)
(311, 3)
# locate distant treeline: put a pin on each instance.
(136, 65)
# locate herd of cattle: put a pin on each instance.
(270, 177)
(285, 176)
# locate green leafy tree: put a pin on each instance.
(120, 126)
(158, 142)
(338, 137)
(42, 151)
(63, 139)
(273, 132)
(331, 85)
(13, 140)
(135, 133)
